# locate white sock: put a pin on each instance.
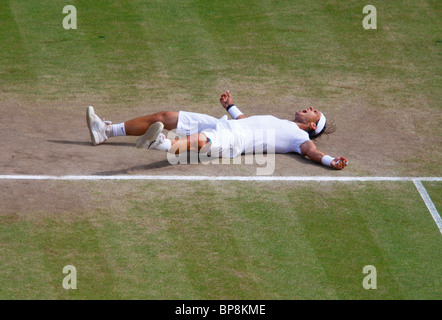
(168, 144)
(115, 130)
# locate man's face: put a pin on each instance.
(307, 116)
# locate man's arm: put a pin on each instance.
(308, 149)
(227, 102)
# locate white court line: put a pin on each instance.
(215, 178)
(430, 205)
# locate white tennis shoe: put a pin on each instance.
(97, 127)
(153, 138)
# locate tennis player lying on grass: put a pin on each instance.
(222, 137)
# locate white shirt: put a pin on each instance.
(268, 134)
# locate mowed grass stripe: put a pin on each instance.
(384, 225)
(227, 240)
(409, 237)
(185, 56)
(36, 249)
(141, 251)
(76, 242)
(212, 261)
(15, 73)
(52, 52)
(399, 59)
(23, 271)
(103, 61)
(416, 51)
(275, 243)
(271, 51)
(60, 60)
(244, 37)
(122, 69)
(312, 64)
(204, 47)
(332, 226)
(181, 241)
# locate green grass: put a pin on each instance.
(128, 51)
(228, 241)
(434, 190)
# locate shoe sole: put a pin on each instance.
(89, 120)
(150, 136)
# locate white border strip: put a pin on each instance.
(216, 178)
(430, 205)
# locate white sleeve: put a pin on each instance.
(298, 141)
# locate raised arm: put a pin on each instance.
(308, 149)
(227, 102)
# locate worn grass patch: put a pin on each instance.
(208, 240)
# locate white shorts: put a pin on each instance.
(224, 142)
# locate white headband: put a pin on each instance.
(321, 124)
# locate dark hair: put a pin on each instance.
(329, 128)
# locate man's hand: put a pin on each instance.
(339, 163)
(308, 149)
(226, 99)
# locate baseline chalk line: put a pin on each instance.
(215, 178)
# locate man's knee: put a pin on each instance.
(163, 115)
(168, 118)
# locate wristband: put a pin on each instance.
(234, 111)
(327, 160)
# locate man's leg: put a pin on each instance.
(188, 124)
(194, 142)
(138, 126)
(100, 131)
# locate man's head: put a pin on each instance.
(312, 121)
